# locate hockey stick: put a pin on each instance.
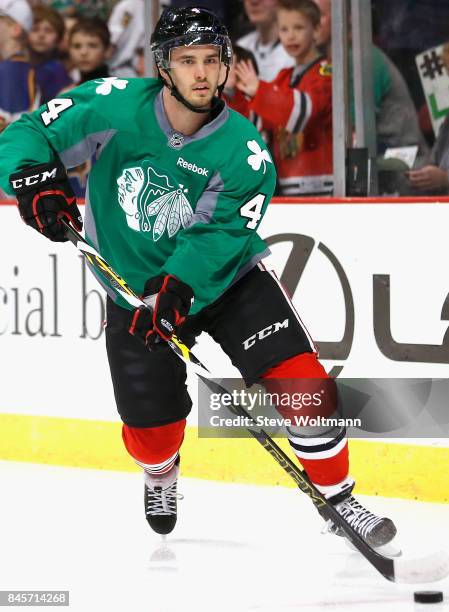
(430, 569)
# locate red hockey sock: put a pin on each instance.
(154, 448)
(326, 460)
(326, 463)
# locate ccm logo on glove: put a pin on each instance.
(44, 196)
(34, 179)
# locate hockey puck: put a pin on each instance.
(428, 596)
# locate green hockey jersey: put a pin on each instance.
(157, 201)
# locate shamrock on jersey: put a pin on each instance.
(261, 156)
(107, 84)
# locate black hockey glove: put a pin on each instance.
(170, 300)
(44, 195)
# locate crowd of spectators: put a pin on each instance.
(281, 79)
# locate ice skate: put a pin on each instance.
(161, 500)
(376, 531)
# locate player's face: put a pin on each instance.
(260, 12)
(86, 52)
(43, 38)
(296, 33)
(197, 71)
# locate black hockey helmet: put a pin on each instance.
(179, 27)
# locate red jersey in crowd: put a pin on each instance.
(237, 100)
(297, 108)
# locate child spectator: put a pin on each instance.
(297, 105)
(89, 48)
(44, 38)
(46, 33)
(18, 90)
(235, 98)
(264, 41)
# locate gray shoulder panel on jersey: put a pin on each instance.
(205, 131)
(207, 203)
(83, 150)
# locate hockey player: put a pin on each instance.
(174, 202)
(297, 106)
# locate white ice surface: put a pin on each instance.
(235, 547)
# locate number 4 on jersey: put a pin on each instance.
(252, 210)
(55, 108)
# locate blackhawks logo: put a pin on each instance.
(151, 203)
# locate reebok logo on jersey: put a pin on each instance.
(192, 167)
(264, 333)
(34, 179)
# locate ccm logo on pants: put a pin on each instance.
(264, 333)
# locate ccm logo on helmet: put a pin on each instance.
(192, 167)
(264, 333)
(34, 179)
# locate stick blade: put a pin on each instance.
(426, 569)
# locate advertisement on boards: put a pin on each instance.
(366, 279)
